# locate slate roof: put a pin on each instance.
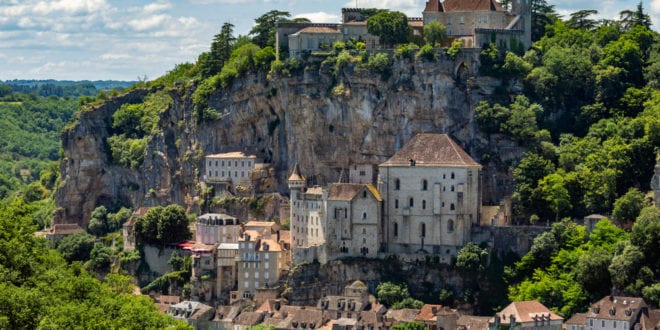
(463, 5)
(432, 150)
(249, 318)
(525, 311)
(616, 308)
(401, 315)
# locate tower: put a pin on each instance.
(297, 185)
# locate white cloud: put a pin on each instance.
(114, 56)
(320, 17)
(148, 23)
(157, 7)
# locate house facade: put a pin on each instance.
(259, 263)
(307, 214)
(233, 167)
(479, 22)
(353, 220)
(615, 312)
(212, 228)
(530, 315)
(432, 194)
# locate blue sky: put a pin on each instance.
(124, 40)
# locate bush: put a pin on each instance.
(127, 152)
(379, 62)
(342, 60)
(406, 51)
(455, 48)
(76, 247)
(338, 47)
(427, 53)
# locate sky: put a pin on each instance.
(137, 39)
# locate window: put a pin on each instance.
(422, 232)
(452, 188)
(228, 164)
(425, 185)
(412, 202)
(249, 163)
(242, 163)
(591, 322)
(602, 323)
(256, 275)
(364, 215)
(396, 203)
(247, 285)
(423, 205)
(216, 163)
(223, 173)
(397, 184)
(364, 194)
(216, 173)
(236, 174)
(236, 163)
(452, 175)
(247, 275)
(242, 174)
(614, 324)
(396, 229)
(210, 173)
(462, 20)
(452, 207)
(210, 163)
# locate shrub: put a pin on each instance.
(342, 60)
(127, 152)
(455, 48)
(406, 51)
(338, 47)
(427, 53)
(379, 62)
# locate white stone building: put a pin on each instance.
(614, 312)
(432, 194)
(212, 228)
(234, 167)
(353, 221)
(307, 216)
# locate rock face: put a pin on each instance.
(304, 119)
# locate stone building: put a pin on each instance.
(526, 315)
(259, 263)
(432, 194)
(212, 228)
(232, 168)
(307, 216)
(226, 274)
(353, 220)
(614, 312)
(479, 22)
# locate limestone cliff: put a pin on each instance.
(284, 120)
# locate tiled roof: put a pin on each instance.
(272, 245)
(428, 312)
(616, 308)
(471, 5)
(314, 191)
(401, 315)
(652, 321)
(259, 224)
(348, 191)
(319, 29)
(578, 318)
(285, 236)
(526, 311)
(431, 150)
(237, 154)
(469, 322)
(249, 318)
(295, 174)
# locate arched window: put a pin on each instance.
(396, 203)
(423, 205)
(425, 185)
(364, 194)
(450, 226)
(422, 230)
(396, 229)
(397, 184)
(412, 202)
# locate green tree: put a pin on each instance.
(628, 206)
(580, 20)
(390, 293)
(98, 222)
(408, 302)
(629, 18)
(34, 192)
(646, 236)
(76, 247)
(391, 27)
(435, 33)
(265, 27)
(555, 193)
(471, 259)
(163, 225)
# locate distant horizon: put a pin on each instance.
(132, 40)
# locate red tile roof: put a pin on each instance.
(428, 313)
(526, 311)
(431, 150)
(319, 29)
